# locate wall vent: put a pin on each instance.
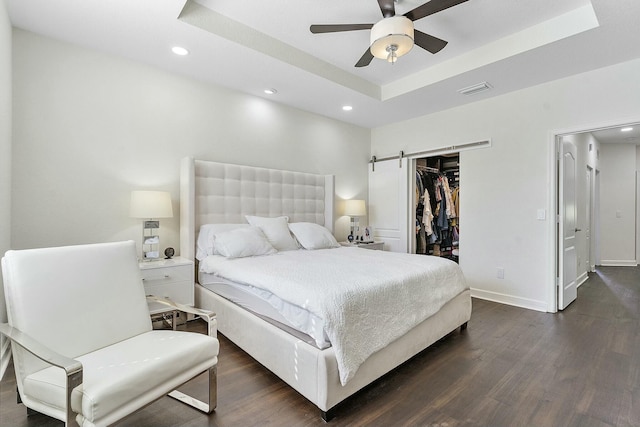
(477, 88)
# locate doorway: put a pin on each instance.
(436, 206)
(588, 209)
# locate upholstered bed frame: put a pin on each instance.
(213, 192)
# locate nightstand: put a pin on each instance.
(377, 245)
(171, 278)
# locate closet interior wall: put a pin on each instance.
(437, 206)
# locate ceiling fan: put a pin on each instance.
(394, 36)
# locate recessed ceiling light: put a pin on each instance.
(179, 51)
(629, 129)
(347, 107)
(270, 91)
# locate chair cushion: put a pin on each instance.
(117, 379)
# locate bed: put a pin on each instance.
(220, 195)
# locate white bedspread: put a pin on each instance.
(367, 298)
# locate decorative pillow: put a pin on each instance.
(276, 230)
(205, 243)
(313, 236)
(242, 242)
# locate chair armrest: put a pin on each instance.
(39, 350)
(209, 316)
(72, 368)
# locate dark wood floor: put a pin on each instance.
(512, 367)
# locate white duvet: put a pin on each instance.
(367, 298)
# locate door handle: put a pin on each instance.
(578, 229)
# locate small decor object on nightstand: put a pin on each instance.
(169, 252)
(368, 234)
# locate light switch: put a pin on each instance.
(618, 214)
(541, 214)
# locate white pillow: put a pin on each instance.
(313, 236)
(205, 244)
(242, 242)
(276, 230)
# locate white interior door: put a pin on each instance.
(595, 238)
(568, 262)
(638, 216)
(389, 203)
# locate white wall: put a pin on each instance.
(90, 127)
(502, 187)
(618, 204)
(5, 159)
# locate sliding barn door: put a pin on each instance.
(389, 203)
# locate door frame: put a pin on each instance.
(552, 201)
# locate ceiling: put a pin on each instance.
(251, 45)
(616, 135)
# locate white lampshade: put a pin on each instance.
(150, 204)
(392, 36)
(355, 208)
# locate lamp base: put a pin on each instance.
(150, 240)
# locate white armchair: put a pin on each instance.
(83, 347)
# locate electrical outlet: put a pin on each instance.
(500, 273)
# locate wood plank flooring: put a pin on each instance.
(512, 367)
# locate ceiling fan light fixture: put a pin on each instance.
(391, 38)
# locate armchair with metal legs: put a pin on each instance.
(84, 351)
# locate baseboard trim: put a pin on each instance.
(582, 278)
(509, 300)
(618, 263)
(5, 357)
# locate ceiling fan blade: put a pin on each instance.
(428, 42)
(365, 60)
(431, 7)
(335, 28)
(388, 8)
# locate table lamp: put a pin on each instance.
(354, 208)
(150, 205)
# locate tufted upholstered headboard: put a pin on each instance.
(214, 193)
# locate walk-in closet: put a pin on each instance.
(437, 206)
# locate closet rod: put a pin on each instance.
(440, 150)
(427, 169)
